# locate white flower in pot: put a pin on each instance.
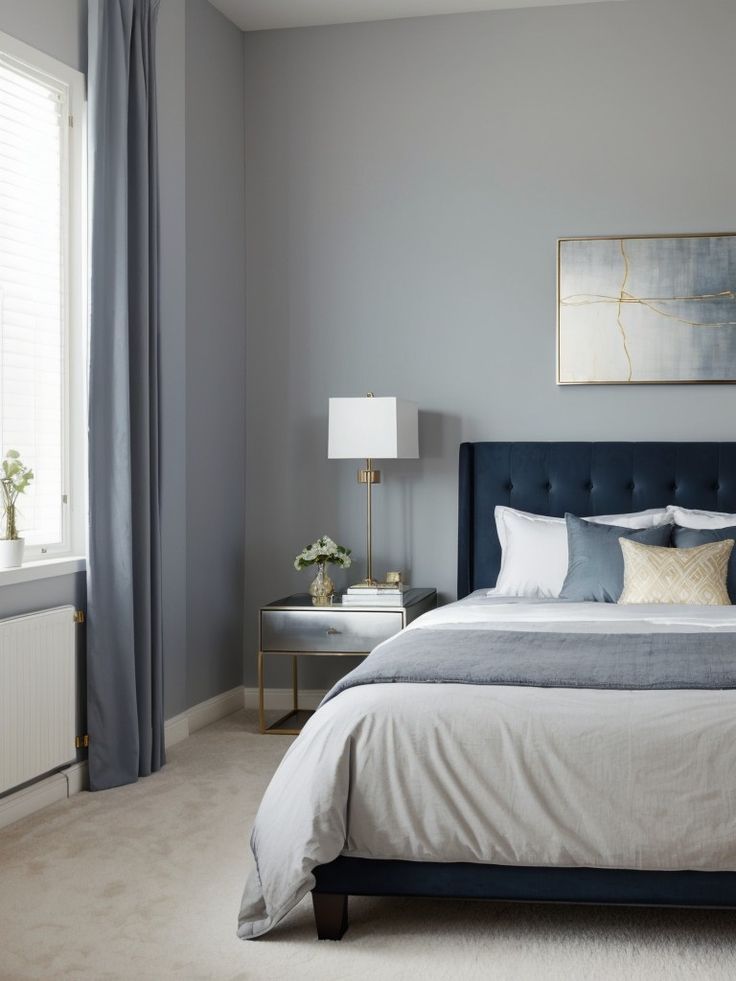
(14, 480)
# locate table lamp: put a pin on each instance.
(373, 428)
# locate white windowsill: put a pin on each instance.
(43, 569)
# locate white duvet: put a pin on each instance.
(504, 775)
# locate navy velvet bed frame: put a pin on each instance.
(550, 478)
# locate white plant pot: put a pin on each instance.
(11, 553)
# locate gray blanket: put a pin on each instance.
(550, 660)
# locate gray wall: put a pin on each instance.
(171, 53)
(202, 336)
(215, 376)
(58, 27)
(406, 183)
(201, 152)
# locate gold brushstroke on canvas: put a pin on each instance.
(623, 295)
(581, 299)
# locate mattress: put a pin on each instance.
(501, 774)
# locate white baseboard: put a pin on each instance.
(77, 777)
(39, 795)
(181, 726)
(51, 789)
(215, 708)
(279, 699)
(176, 729)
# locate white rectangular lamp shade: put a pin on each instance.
(375, 428)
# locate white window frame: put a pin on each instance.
(75, 310)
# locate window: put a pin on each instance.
(43, 293)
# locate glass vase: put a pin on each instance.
(321, 587)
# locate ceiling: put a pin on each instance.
(261, 15)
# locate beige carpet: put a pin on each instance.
(144, 882)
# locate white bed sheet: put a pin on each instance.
(506, 775)
(486, 611)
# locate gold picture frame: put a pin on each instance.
(629, 309)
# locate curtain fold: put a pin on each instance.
(124, 642)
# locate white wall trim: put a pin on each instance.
(39, 795)
(279, 699)
(43, 569)
(215, 708)
(181, 726)
(77, 777)
(176, 729)
(51, 789)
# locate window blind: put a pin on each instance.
(33, 219)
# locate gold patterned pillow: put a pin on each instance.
(653, 574)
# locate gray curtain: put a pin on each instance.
(124, 656)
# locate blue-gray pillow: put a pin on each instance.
(691, 537)
(595, 569)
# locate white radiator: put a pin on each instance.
(38, 694)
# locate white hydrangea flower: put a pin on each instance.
(325, 549)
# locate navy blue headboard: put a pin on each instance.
(584, 478)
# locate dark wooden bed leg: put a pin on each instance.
(330, 915)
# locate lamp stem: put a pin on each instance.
(369, 476)
(369, 525)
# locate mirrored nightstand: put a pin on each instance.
(295, 628)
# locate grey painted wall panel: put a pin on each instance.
(58, 27)
(27, 597)
(215, 361)
(406, 183)
(172, 161)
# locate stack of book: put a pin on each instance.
(378, 594)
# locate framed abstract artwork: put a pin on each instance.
(646, 309)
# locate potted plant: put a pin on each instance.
(321, 553)
(15, 478)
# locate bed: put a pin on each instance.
(523, 790)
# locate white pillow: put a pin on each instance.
(534, 555)
(689, 518)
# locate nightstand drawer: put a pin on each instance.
(340, 631)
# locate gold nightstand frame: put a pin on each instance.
(281, 727)
(278, 728)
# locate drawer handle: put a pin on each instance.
(331, 631)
